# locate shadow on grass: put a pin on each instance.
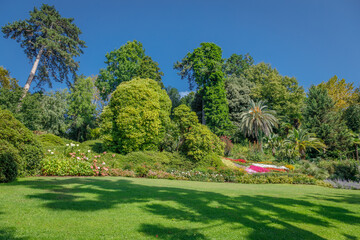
(267, 217)
(9, 234)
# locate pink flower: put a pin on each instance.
(104, 152)
(113, 155)
(91, 167)
(103, 163)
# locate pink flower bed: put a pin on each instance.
(256, 169)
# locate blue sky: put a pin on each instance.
(311, 40)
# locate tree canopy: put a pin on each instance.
(52, 40)
(124, 64)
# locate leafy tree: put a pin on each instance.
(352, 117)
(137, 116)
(6, 81)
(258, 121)
(328, 125)
(203, 68)
(174, 96)
(238, 90)
(196, 140)
(82, 110)
(281, 93)
(188, 99)
(340, 92)
(301, 139)
(237, 64)
(53, 41)
(124, 64)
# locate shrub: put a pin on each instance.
(197, 141)
(16, 134)
(212, 160)
(139, 112)
(338, 183)
(9, 159)
(51, 140)
(311, 169)
(58, 166)
(345, 170)
(141, 171)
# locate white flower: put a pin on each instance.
(52, 152)
(89, 151)
(98, 167)
(67, 145)
(103, 163)
(79, 150)
(71, 144)
(49, 150)
(78, 158)
(77, 145)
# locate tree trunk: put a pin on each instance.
(31, 77)
(357, 153)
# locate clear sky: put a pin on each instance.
(311, 40)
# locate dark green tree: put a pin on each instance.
(203, 69)
(49, 39)
(352, 117)
(328, 125)
(174, 96)
(124, 64)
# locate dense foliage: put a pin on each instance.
(124, 64)
(137, 116)
(23, 140)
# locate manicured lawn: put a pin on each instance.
(128, 208)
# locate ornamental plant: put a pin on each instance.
(137, 116)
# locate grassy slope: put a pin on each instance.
(124, 208)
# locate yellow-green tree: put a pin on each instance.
(341, 92)
(137, 116)
(6, 81)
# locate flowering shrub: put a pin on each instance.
(122, 173)
(290, 167)
(228, 145)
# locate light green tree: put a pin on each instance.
(139, 113)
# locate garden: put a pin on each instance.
(247, 154)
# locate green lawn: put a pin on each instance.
(128, 208)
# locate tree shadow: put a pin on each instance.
(9, 234)
(267, 217)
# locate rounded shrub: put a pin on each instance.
(137, 116)
(23, 140)
(9, 158)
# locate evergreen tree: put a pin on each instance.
(53, 41)
(328, 125)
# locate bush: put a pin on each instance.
(139, 112)
(312, 169)
(197, 141)
(212, 160)
(344, 170)
(9, 159)
(141, 171)
(55, 166)
(24, 141)
(51, 140)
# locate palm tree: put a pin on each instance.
(302, 139)
(257, 121)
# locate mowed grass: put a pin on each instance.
(135, 208)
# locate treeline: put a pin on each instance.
(234, 97)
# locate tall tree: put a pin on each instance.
(342, 93)
(124, 64)
(174, 96)
(237, 64)
(203, 69)
(50, 39)
(281, 93)
(321, 119)
(82, 109)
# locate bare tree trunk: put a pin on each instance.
(31, 77)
